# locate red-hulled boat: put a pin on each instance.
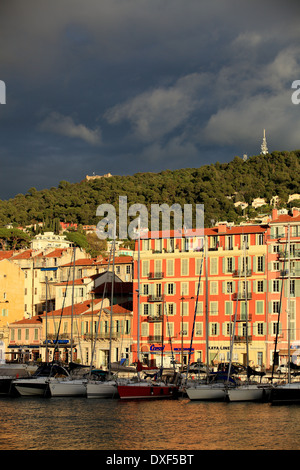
(163, 387)
(141, 390)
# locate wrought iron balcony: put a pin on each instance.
(241, 317)
(241, 339)
(155, 338)
(155, 298)
(156, 275)
(154, 318)
(294, 273)
(242, 296)
(241, 273)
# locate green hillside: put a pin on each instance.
(217, 186)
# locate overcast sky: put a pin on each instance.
(127, 86)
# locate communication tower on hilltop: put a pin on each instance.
(264, 148)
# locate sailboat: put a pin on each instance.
(158, 387)
(73, 384)
(38, 383)
(213, 388)
(10, 372)
(247, 391)
(289, 392)
(105, 385)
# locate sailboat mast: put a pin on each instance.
(289, 303)
(72, 313)
(206, 308)
(46, 278)
(138, 292)
(112, 300)
(246, 304)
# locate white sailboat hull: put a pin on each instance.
(32, 387)
(97, 389)
(207, 392)
(246, 393)
(68, 388)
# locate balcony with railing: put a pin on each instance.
(155, 298)
(155, 338)
(154, 318)
(285, 255)
(241, 338)
(241, 317)
(242, 273)
(295, 272)
(156, 275)
(242, 295)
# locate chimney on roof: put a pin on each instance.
(296, 211)
(274, 214)
(222, 226)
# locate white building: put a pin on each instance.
(49, 240)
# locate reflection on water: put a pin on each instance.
(82, 424)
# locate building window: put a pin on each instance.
(260, 329)
(171, 309)
(276, 286)
(171, 290)
(260, 239)
(229, 287)
(214, 288)
(184, 288)
(260, 264)
(145, 289)
(275, 328)
(228, 308)
(214, 329)
(276, 266)
(170, 330)
(259, 307)
(276, 306)
(19, 334)
(292, 286)
(214, 266)
(128, 269)
(170, 267)
(213, 308)
(260, 286)
(26, 334)
(184, 267)
(184, 308)
(229, 266)
(198, 328)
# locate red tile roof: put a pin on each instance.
(57, 253)
(82, 262)
(285, 218)
(6, 254)
(29, 321)
(118, 260)
(77, 309)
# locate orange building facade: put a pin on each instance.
(186, 298)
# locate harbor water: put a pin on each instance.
(116, 425)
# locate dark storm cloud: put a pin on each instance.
(123, 86)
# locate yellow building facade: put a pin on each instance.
(11, 296)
